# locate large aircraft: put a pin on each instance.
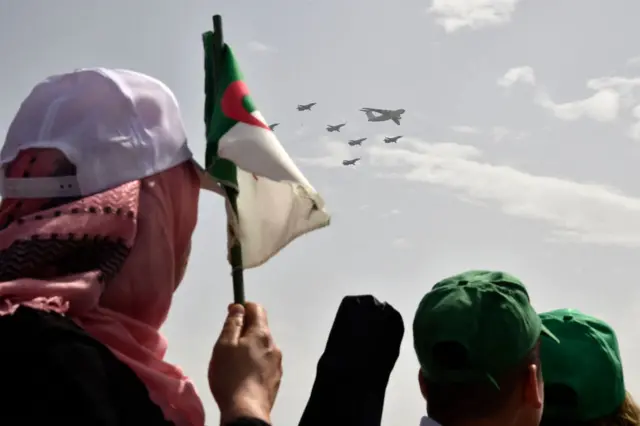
(350, 162)
(306, 107)
(384, 114)
(392, 140)
(335, 128)
(354, 142)
(273, 126)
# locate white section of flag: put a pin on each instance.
(276, 203)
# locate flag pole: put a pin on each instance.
(235, 251)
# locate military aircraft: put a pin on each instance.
(306, 107)
(384, 114)
(273, 126)
(392, 140)
(350, 162)
(335, 128)
(354, 142)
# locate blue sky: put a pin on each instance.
(520, 152)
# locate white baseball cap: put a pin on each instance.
(114, 125)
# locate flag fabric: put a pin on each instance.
(275, 202)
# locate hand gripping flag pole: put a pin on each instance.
(212, 76)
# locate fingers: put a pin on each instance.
(232, 328)
(255, 318)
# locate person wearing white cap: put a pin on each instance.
(99, 202)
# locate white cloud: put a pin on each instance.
(336, 153)
(634, 62)
(627, 88)
(256, 46)
(603, 106)
(454, 15)
(515, 75)
(444, 149)
(620, 84)
(611, 95)
(498, 133)
(579, 212)
(465, 129)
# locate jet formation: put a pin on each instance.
(375, 114)
(372, 114)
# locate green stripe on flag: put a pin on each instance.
(217, 123)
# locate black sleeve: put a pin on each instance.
(247, 421)
(353, 372)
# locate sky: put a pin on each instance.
(520, 148)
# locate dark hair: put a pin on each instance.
(628, 414)
(454, 402)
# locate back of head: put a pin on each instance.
(476, 337)
(584, 381)
(96, 176)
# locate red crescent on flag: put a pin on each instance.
(232, 106)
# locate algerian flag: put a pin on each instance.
(275, 202)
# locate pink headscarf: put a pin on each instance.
(111, 262)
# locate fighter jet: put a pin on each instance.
(350, 162)
(335, 128)
(273, 126)
(306, 107)
(354, 142)
(384, 114)
(392, 140)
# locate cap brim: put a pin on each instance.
(549, 334)
(206, 181)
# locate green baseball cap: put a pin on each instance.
(587, 367)
(487, 315)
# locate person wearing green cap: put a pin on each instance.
(584, 382)
(477, 338)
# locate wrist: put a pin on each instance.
(244, 408)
